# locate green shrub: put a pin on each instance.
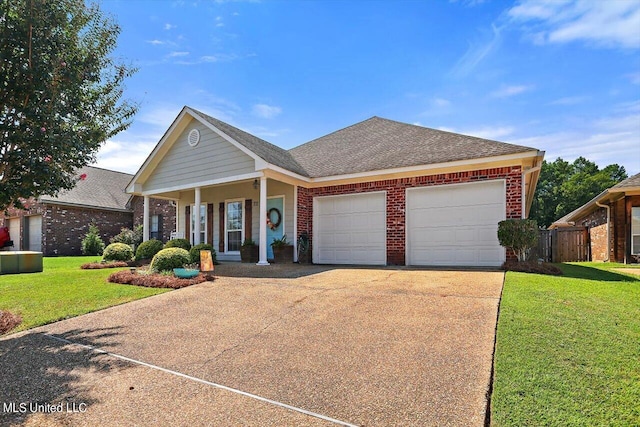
(178, 243)
(131, 237)
(148, 249)
(117, 252)
(170, 258)
(92, 244)
(519, 235)
(194, 252)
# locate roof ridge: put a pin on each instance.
(336, 131)
(107, 170)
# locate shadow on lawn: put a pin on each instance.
(592, 273)
(37, 369)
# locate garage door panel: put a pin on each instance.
(357, 232)
(455, 224)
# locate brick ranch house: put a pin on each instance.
(57, 225)
(613, 221)
(377, 192)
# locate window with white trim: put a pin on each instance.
(234, 225)
(203, 223)
(155, 227)
(635, 231)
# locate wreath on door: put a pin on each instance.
(271, 222)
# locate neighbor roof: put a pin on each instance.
(633, 182)
(378, 144)
(102, 188)
(265, 150)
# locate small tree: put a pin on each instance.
(519, 235)
(92, 244)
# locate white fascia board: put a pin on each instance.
(283, 171)
(208, 183)
(156, 149)
(444, 165)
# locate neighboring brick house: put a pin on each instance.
(57, 225)
(377, 192)
(621, 205)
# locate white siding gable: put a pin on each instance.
(184, 165)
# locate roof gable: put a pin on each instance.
(102, 188)
(379, 144)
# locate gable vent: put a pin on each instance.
(194, 137)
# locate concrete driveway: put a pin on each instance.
(353, 346)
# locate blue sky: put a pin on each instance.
(561, 76)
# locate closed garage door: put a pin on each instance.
(455, 225)
(350, 229)
(14, 232)
(34, 223)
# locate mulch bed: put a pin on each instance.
(8, 321)
(114, 264)
(532, 267)
(155, 280)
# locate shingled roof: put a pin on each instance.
(378, 144)
(102, 189)
(631, 182)
(265, 150)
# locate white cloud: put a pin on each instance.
(169, 27)
(440, 102)
(507, 91)
(569, 100)
(177, 54)
(601, 23)
(634, 77)
(156, 42)
(160, 116)
(476, 53)
(123, 154)
(266, 111)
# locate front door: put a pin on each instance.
(275, 224)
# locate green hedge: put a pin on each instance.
(194, 252)
(170, 258)
(117, 252)
(148, 249)
(178, 243)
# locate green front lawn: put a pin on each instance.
(568, 349)
(63, 290)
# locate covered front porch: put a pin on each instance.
(259, 209)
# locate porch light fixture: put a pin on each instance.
(256, 184)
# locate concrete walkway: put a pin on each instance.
(353, 346)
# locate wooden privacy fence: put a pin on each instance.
(567, 244)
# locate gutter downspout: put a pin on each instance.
(608, 208)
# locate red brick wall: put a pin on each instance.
(596, 222)
(156, 207)
(396, 190)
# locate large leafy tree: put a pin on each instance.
(565, 186)
(60, 93)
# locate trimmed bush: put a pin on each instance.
(117, 252)
(194, 252)
(170, 258)
(178, 243)
(131, 237)
(519, 235)
(148, 249)
(92, 244)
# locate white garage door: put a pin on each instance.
(35, 233)
(350, 229)
(455, 225)
(14, 232)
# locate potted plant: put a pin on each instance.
(282, 250)
(187, 272)
(249, 251)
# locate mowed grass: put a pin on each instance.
(568, 349)
(63, 290)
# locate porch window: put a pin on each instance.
(155, 227)
(203, 223)
(234, 225)
(635, 231)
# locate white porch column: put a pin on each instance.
(145, 219)
(196, 215)
(177, 230)
(263, 222)
(295, 223)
